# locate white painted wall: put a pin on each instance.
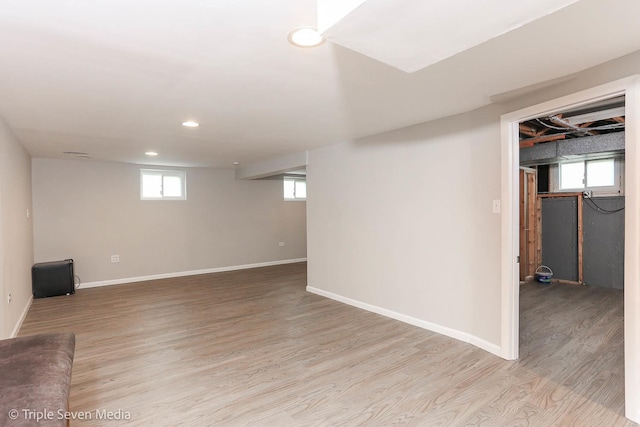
(401, 222)
(89, 211)
(16, 232)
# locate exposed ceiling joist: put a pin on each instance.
(558, 120)
(524, 129)
(532, 141)
(587, 121)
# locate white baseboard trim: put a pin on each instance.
(18, 325)
(443, 330)
(186, 273)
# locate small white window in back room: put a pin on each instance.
(601, 173)
(602, 177)
(158, 184)
(572, 176)
(295, 188)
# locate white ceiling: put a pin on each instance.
(115, 78)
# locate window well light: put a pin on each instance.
(190, 124)
(305, 37)
(151, 153)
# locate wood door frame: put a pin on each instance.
(528, 198)
(510, 162)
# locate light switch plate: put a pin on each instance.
(496, 206)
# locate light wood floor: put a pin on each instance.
(253, 348)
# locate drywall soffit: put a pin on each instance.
(275, 166)
(430, 31)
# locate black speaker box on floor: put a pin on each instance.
(50, 279)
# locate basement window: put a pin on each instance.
(601, 177)
(163, 184)
(295, 188)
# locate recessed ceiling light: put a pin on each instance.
(190, 124)
(305, 37)
(151, 153)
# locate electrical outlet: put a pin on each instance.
(281, 244)
(115, 258)
(9, 298)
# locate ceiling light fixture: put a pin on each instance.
(151, 153)
(190, 124)
(305, 37)
(236, 163)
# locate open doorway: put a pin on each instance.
(572, 196)
(510, 221)
(572, 250)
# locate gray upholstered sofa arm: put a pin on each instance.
(35, 378)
